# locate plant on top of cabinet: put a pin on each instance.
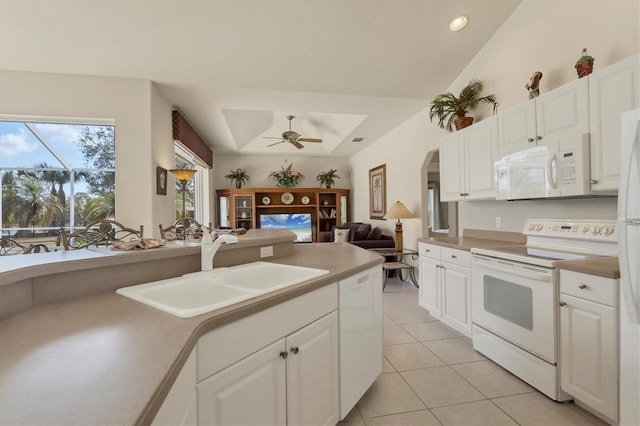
(584, 66)
(328, 178)
(287, 177)
(449, 109)
(239, 175)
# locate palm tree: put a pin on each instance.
(37, 205)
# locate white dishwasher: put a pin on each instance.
(360, 315)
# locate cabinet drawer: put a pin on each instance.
(589, 287)
(429, 250)
(457, 257)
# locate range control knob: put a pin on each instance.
(608, 230)
(539, 227)
(597, 229)
(532, 226)
(585, 229)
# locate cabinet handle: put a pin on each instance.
(284, 354)
(427, 251)
(530, 140)
(538, 137)
(461, 194)
(295, 350)
(594, 181)
(562, 304)
(582, 286)
(453, 256)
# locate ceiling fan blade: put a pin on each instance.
(297, 144)
(277, 143)
(310, 140)
(271, 137)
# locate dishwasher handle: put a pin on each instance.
(513, 268)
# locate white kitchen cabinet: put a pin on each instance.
(589, 341)
(467, 159)
(445, 285)
(292, 381)
(612, 91)
(250, 392)
(557, 119)
(179, 406)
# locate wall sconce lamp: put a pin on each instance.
(183, 175)
(398, 211)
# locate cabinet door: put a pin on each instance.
(456, 298)
(312, 374)
(452, 181)
(562, 116)
(588, 354)
(180, 404)
(517, 128)
(250, 392)
(430, 286)
(612, 91)
(243, 209)
(480, 152)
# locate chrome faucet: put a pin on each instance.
(209, 248)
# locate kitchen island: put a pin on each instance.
(103, 358)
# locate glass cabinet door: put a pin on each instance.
(223, 211)
(244, 211)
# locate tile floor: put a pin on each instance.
(432, 376)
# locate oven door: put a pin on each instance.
(517, 302)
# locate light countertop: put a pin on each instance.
(106, 359)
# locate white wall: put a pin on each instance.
(541, 35)
(129, 103)
(258, 167)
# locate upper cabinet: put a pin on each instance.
(467, 162)
(612, 91)
(557, 119)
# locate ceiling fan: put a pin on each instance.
(294, 138)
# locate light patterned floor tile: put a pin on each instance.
(430, 331)
(354, 414)
(478, 413)
(534, 408)
(396, 335)
(415, 418)
(491, 379)
(389, 394)
(387, 321)
(387, 367)
(454, 351)
(411, 356)
(358, 422)
(439, 386)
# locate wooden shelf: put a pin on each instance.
(279, 206)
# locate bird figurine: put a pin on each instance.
(533, 86)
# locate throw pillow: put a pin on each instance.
(354, 229)
(340, 235)
(362, 232)
(375, 234)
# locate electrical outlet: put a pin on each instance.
(498, 222)
(266, 251)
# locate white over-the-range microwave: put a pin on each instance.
(540, 173)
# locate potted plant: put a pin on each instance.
(286, 177)
(449, 109)
(239, 175)
(327, 178)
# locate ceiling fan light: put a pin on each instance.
(458, 23)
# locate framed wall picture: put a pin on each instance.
(161, 181)
(378, 192)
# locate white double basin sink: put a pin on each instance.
(201, 292)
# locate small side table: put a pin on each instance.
(395, 261)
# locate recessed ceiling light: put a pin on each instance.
(458, 23)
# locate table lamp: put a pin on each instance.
(183, 175)
(398, 211)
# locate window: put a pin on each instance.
(55, 174)
(197, 193)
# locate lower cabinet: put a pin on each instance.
(445, 285)
(293, 381)
(589, 341)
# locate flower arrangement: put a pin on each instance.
(287, 177)
(328, 178)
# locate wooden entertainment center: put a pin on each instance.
(244, 207)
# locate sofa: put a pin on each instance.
(360, 234)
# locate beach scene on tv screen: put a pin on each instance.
(299, 224)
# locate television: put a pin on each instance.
(298, 223)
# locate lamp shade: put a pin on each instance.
(183, 174)
(398, 211)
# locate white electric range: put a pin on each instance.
(515, 295)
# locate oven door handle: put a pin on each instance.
(509, 268)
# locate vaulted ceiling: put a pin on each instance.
(236, 68)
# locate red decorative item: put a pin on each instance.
(584, 66)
